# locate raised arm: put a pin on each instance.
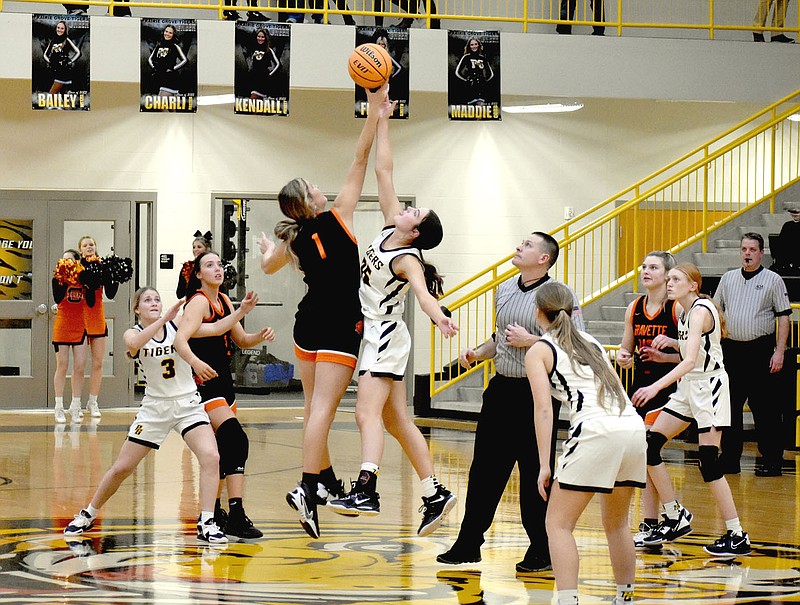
(384, 164)
(135, 339)
(350, 193)
(227, 323)
(273, 257)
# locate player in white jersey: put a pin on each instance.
(392, 265)
(605, 449)
(170, 402)
(702, 395)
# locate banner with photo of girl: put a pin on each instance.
(261, 68)
(168, 76)
(473, 75)
(60, 57)
(394, 40)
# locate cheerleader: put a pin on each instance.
(703, 395)
(210, 358)
(94, 319)
(262, 63)
(392, 265)
(60, 55)
(647, 317)
(200, 245)
(473, 68)
(328, 323)
(605, 448)
(165, 61)
(69, 333)
(170, 402)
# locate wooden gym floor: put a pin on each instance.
(143, 549)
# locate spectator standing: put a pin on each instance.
(778, 20)
(568, 14)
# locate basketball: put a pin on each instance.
(370, 66)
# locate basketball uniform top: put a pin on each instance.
(328, 255)
(382, 292)
(165, 372)
(214, 350)
(645, 329)
(576, 386)
(709, 357)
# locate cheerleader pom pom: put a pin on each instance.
(230, 278)
(118, 269)
(67, 272)
(92, 275)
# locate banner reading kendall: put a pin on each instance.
(394, 40)
(473, 79)
(261, 68)
(168, 77)
(60, 70)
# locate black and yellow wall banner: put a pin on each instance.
(261, 68)
(473, 75)
(60, 62)
(168, 80)
(394, 40)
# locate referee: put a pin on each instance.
(752, 297)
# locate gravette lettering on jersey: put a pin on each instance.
(649, 330)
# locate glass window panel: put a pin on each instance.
(15, 347)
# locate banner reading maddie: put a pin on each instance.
(395, 41)
(473, 75)
(261, 68)
(168, 80)
(60, 70)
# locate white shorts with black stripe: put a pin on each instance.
(706, 399)
(157, 417)
(387, 345)
(602, 453)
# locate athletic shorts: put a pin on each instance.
(157, 417)
(218, 392)
(387, 345)
(607, 452)
(707, 400)
(650, 410)
(324, 337)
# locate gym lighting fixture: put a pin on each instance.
(795, 117)
(215, 99)
(544, 107)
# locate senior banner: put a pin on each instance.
(168, 80)
(473, 78)
(261, 68)
(60, 62)
(395, 41)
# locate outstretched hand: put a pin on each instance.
(249, 302)
(447, 327)
(173, 311)
(265, 245)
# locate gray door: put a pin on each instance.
(35, 229)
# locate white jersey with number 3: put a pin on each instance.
(167, 375)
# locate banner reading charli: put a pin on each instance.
(60, 70)
(261, 68)
(394, 40)
(473, 78)
(168, 79)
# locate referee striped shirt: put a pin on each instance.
(751, 302)
(516, 303)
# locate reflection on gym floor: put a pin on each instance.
(143, 548)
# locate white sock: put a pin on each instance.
(75, 403)
(568, 597)
(92, 510)
(735, 526)
(672, 509)
(92, 399)
(625, 592)
(60, 402)
(370, 467)
(205, 515)
(429, 485)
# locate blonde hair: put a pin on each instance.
(138, 296)
(293, 200)
(556, 302)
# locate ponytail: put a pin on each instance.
(556, 302)
(293, 200)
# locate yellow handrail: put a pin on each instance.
(676, 206)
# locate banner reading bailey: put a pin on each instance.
(60, 70)
(473, 75)
(261, 68)
(395, 41)
(168, 80)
